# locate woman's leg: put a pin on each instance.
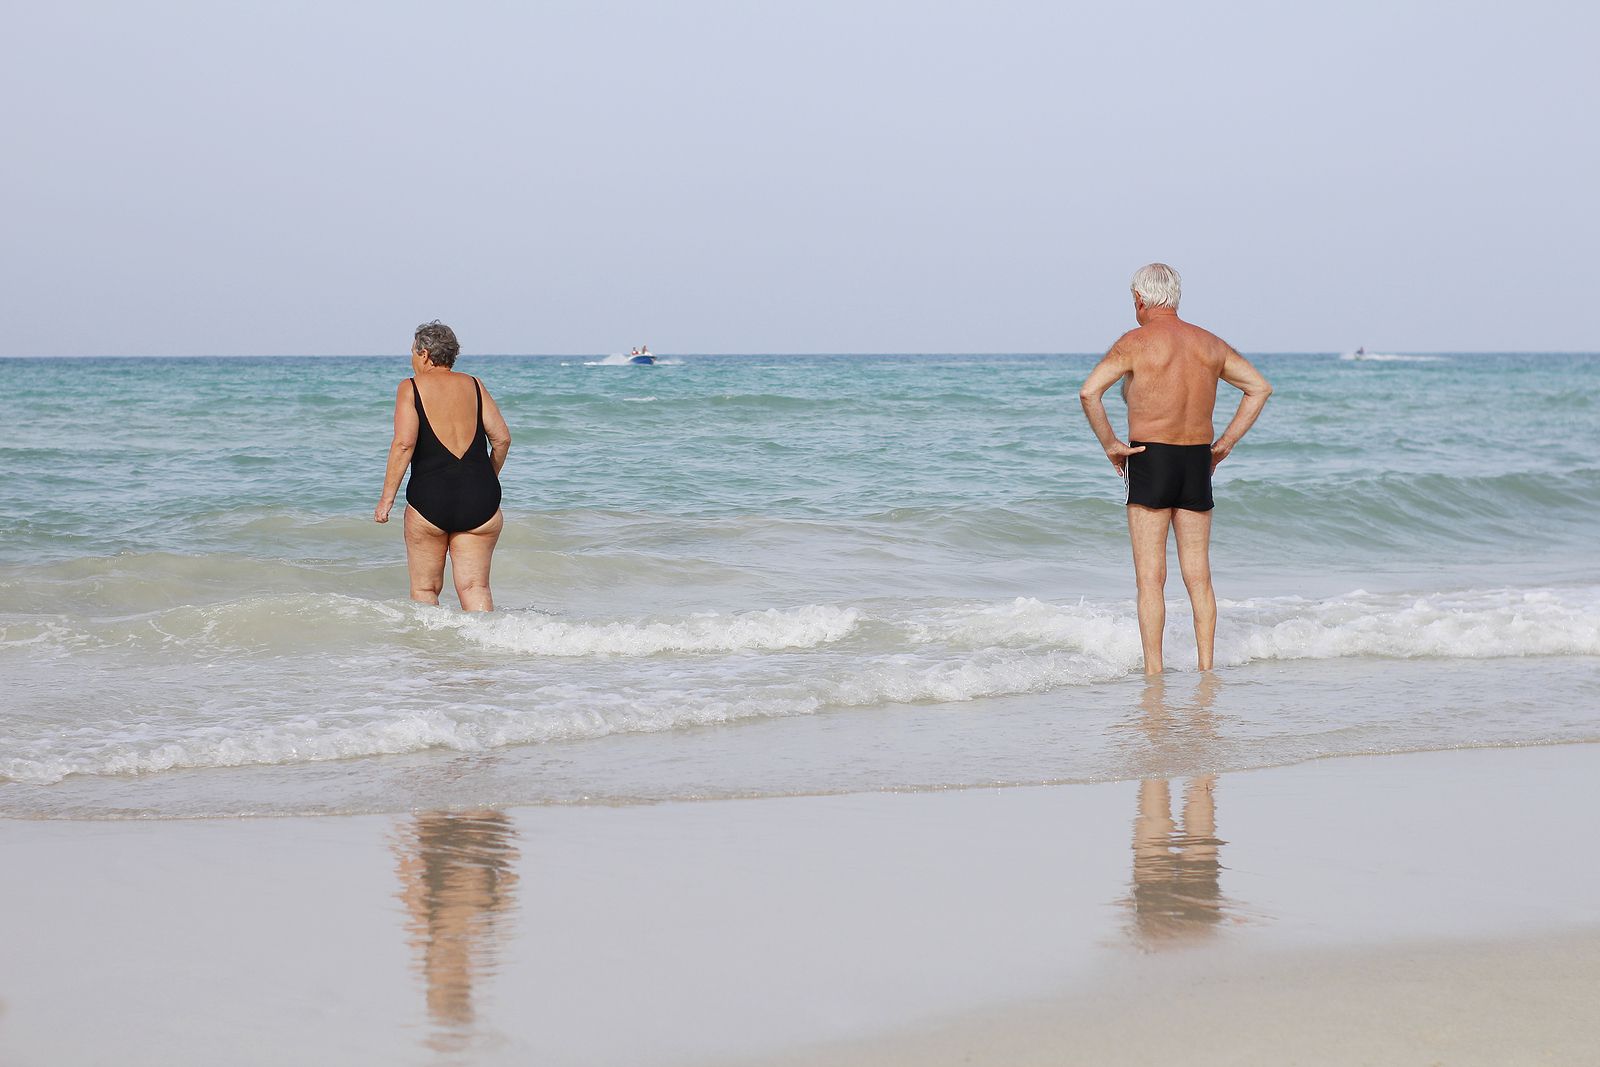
(469, 563)
(425, 548)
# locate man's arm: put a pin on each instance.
(1107, 372)
(1238, 372)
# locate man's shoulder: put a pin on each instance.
(1135, 339)
(1205, 336)
(1152, 341)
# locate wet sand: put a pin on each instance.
(1528, 1001)
(1388, 909)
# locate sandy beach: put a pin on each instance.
(1427, 908)
(1523, 1001)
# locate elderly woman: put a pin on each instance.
(448, 429)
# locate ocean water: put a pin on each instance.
(769, 575)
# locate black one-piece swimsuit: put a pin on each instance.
(455, 493)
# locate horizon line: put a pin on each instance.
(722, 355)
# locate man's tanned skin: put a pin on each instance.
(1172, 368)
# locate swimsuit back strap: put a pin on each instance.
(478, 387)
(424, 427)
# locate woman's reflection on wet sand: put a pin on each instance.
(458, 880)
(1176, 895)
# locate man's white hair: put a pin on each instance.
(1158, 285)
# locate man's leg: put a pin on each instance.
(1147, 529)
(1193, 529)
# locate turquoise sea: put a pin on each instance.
(759, 575)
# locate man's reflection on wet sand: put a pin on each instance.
(457, 882)
(1176, 895)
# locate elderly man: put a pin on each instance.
(1170, 370)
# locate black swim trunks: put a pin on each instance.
(1170, 476)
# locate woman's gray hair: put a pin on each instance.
(439, 342)
(1158, 285)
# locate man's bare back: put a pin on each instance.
(1170, 369)
(1171, 383)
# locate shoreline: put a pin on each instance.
(1262, 715)
(627, 802)
(1440, 898)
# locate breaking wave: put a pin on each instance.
(326, 688)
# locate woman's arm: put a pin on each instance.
(400, 449)
(494, 424)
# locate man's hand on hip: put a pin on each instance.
(1219, 452)
(1118, 454)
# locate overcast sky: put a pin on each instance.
(796, 177)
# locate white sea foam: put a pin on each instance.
(587, 679)
(1382, 357)
(1477, 624)
(1472, 625)
(910, 680)
(617, 359)
(558, 713)
(804, 627)
(1027, 621)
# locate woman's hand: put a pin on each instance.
(381, 512)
